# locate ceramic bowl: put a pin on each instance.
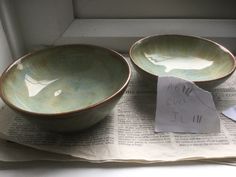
(65, 88)
(192, 58)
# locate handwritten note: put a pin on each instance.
(184, 107)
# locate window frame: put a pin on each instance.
(58, 25)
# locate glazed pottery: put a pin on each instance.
(192, 58)
(66, 88)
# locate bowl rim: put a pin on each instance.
(117, 55)
(233, 59)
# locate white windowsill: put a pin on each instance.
(119, 34)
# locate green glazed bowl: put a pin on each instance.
(192, 58)
(65, 88)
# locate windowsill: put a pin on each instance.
(119, 34)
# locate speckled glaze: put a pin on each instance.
(192, 58)
(66, 88)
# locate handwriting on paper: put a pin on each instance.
(184, 107)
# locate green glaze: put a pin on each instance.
(65, 80)
(187, 57)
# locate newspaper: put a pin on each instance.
(13, 152)
(127, 134)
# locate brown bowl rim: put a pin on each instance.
(117, 55)
(188, 36)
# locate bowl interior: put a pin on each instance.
(64, 79)
(187, 57)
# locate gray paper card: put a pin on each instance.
(184, 107)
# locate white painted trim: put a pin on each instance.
(5, 53)
(51, 22)
(42, 22)
(119, 34)
(155, 9)
(11, 28)
(29, 25)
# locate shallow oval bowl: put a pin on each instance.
(66, 88)
(192, 58)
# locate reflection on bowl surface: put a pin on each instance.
(64, 79)
(187, 57)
